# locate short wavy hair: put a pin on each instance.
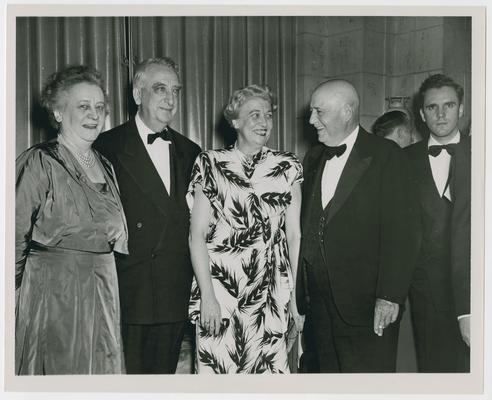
(240, 96)
(389, 121)
(438, 81)
(61, 81)
(139, 75)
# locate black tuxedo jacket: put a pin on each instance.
(155, 278)
(369, 234)
(445, 257)
(460, 225)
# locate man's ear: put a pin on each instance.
(461, 109)
(58, 116)
(347, 113)
(422, 115)
(235, 124)
(137, 96)
(398, 132)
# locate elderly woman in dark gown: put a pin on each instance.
(69, 220)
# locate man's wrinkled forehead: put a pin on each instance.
(326, 97)
(156, 73)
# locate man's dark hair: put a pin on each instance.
(389, 121)
(438, 81)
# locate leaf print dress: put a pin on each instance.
(249, 262)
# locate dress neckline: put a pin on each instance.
(260, 155)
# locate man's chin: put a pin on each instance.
(444, 133)
(166, 115)
(166, 121)
(322, 133)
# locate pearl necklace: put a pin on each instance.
(87, 161)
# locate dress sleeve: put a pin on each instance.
(202, 174)
(31, 189)
(121, 243)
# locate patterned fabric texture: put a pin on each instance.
(249, 262)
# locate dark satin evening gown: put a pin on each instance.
(67, 302)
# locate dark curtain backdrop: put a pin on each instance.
(216, 55)
(45, 45)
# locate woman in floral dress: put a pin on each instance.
(244, 240)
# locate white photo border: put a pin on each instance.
(471, 383)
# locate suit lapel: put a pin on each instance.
(357, 164)
(136, 161)
(461, 166)
(180, 165)
(311, 171)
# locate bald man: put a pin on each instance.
(358, 237)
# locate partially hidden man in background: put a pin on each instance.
(358, 237)
(440, 292)
(153, 164)
(395, 125)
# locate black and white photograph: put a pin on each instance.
(217, 197)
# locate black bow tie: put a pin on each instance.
(164, 135)
(434, 151)
(332, 151)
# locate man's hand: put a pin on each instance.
(385, 313)
(464, 324)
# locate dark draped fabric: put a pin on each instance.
(45, 45)
(216, 55)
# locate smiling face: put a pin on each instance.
(441, 111)
(81, 111)
(157, 96)
(253, 125)
(332, 114)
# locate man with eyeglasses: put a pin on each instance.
(153, 165)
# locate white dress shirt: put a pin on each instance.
(334, 167)
(440, 165)
(158, 152)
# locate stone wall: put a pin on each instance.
(382, 57)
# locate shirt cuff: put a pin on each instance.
(463, 316)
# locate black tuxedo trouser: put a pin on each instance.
(308, 362)
(347, 348)
(440, 347)
(152, 349)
